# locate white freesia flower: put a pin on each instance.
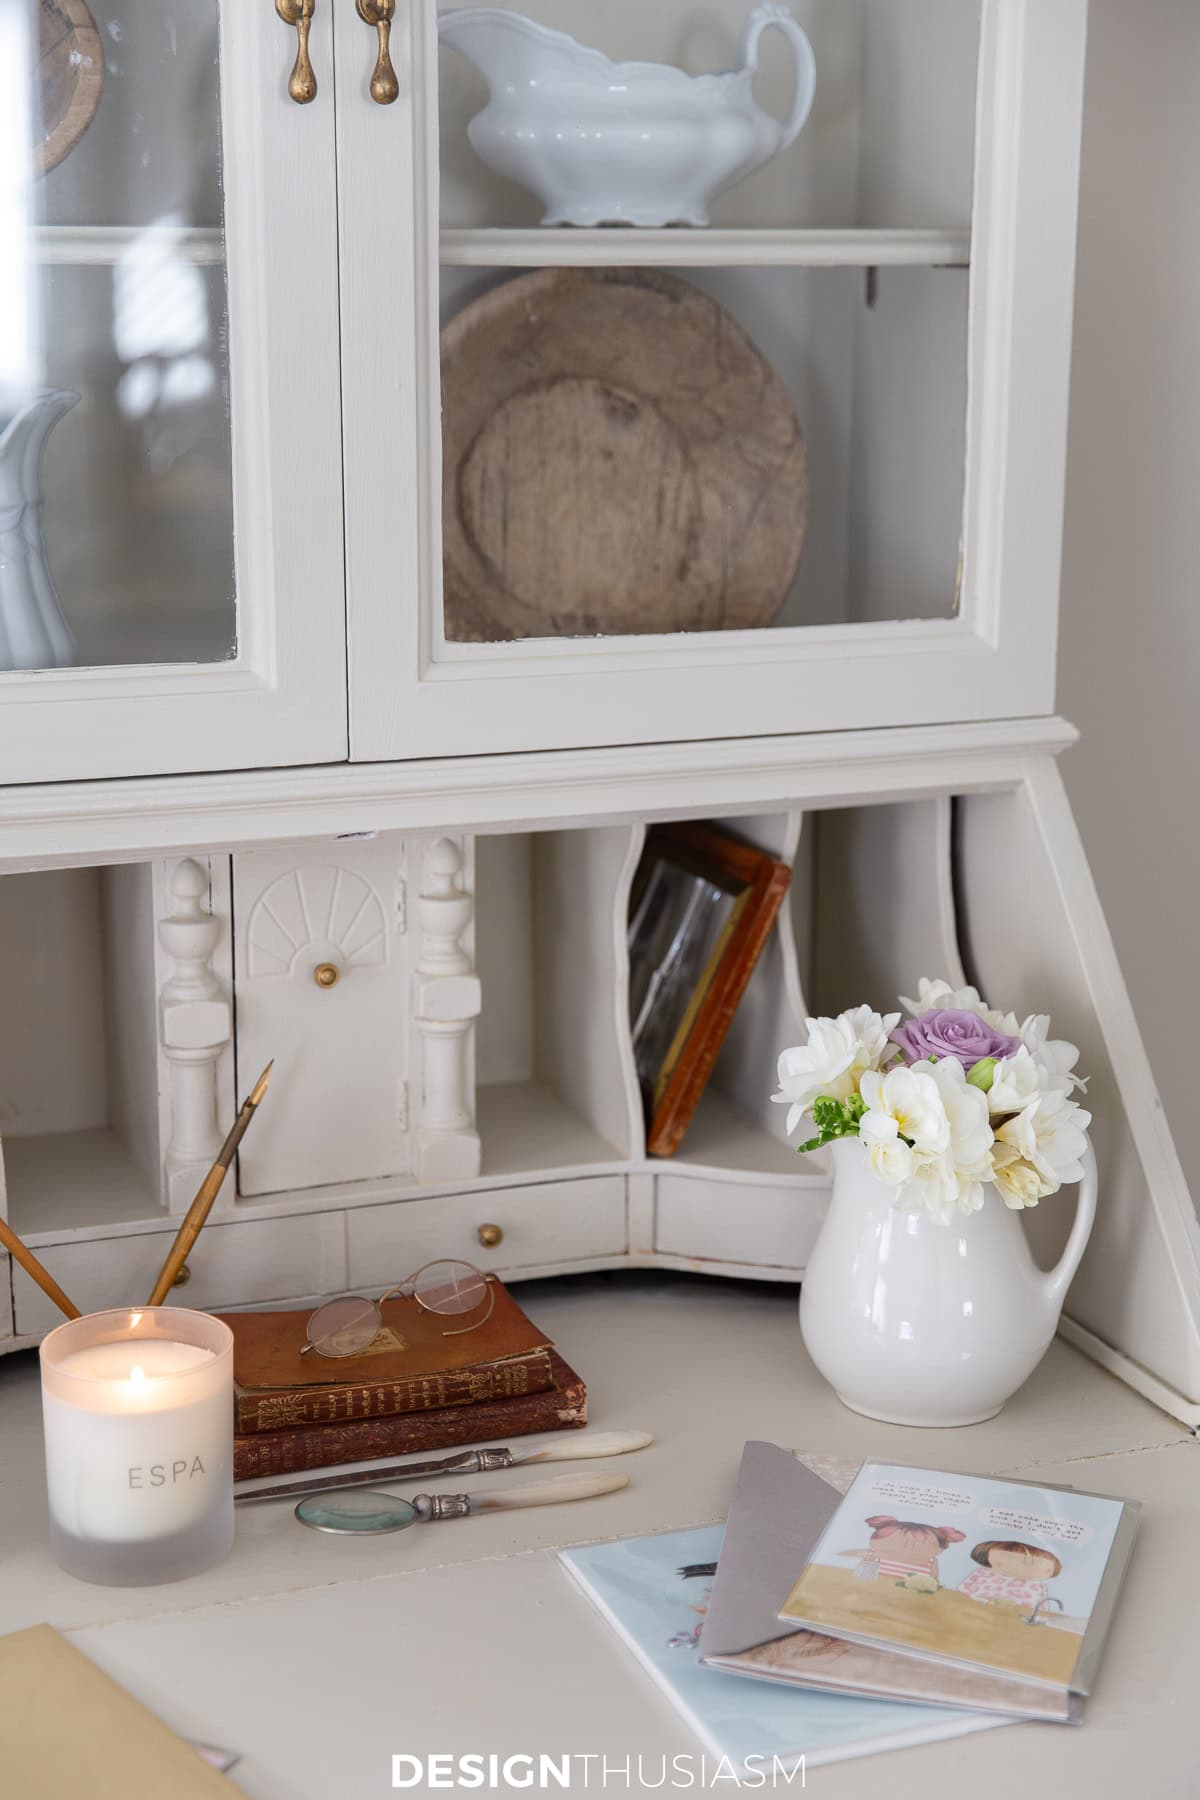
(966, 1109)
(905, 1103)
(1017, 1080)
(892, 1160)
(1055, 1055)
(1017, 1182)
(837, 1055)
(938, 1188)
(956, 1184)
(1049, 1136)
(927, 1134)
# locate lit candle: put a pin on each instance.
(138, 1415)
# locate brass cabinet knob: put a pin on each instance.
(384, 87)
(183, 1277)
(490, 1236)
(326, 975)
(302, 83)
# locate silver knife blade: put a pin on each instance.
(465, 1462)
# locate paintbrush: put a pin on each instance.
(209, 1188)
(35, 1270)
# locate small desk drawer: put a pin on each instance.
(552, 1222)
(232, 1264)
(730, 1222)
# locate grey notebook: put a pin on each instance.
(781, 1507)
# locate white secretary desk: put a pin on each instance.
(242, 515)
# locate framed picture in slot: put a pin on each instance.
(701, 910)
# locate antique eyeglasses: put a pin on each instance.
(350, 1324)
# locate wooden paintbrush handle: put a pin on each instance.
(35, 1270)
(187, 1234)
(210, 1187)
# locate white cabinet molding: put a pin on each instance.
(117, 821)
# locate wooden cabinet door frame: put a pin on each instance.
(413, 695)
(282, 699)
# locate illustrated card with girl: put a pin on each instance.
(995, 1574)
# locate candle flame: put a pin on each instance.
(137, 1373)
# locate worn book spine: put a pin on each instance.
(560, 1408)
(278, 1409)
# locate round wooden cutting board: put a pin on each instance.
(70, 78)
(618, 458)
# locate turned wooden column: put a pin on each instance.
(195, 1025)
(446, 1004)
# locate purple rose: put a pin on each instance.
(949, 1032)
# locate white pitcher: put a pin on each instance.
(633, 143)
(919, 1323)
(33, 631)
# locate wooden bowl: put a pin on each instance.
(69, 78)
(619, 458)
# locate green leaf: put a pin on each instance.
(834, 1119)
(983, 1074)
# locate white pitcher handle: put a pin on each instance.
(760, 20)
(1063, 1273)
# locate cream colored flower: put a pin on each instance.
(1050, 1135)
(892, 1160)
(967, 1112)
(939, 1189)
(838, 1052)
(949, 1139)
(1018, 1183)
(1055, 1055)
(1016, 1081)
(904, 1103)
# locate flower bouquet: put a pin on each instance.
(957, 1096)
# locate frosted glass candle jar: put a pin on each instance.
(138, 1414)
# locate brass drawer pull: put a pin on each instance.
(302, 82)
(380, 13)
(183, 1277)
(490, 1236)
(326, 975)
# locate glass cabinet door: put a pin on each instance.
(171, 583)
(710, 448)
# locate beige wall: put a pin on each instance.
(1129, 662)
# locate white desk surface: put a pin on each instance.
(318, 1658)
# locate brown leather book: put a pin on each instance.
(267, 1345)
(560, 1408)
(276, 1409)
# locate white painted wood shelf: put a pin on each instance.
(620, 247)
(105, 245)
(530, 248)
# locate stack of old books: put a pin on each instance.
(415, 1389)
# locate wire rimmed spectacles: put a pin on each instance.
(350, 1324)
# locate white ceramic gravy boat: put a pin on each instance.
(604, 143)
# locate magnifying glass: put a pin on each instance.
(366, 1512)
